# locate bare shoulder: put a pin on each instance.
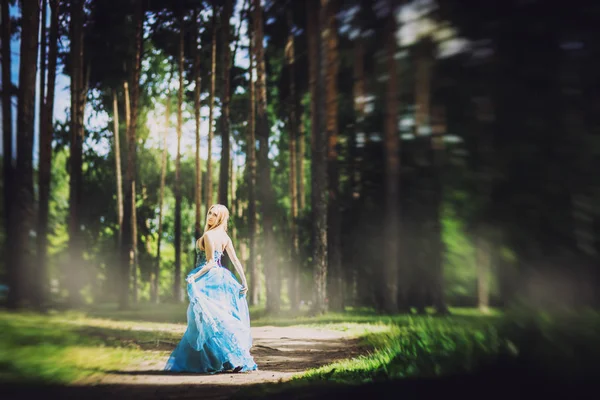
(226, 240)
(207, 236)
(218, 239)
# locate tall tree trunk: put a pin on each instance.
(133, 250)
(39, 285)
(134, 115)
(127, 249)
(134, 246)
(197, 90)
(127, 124)
(266, 194)
(14, 295)
(317, 39)
(76, 157)
(294, 274)
(163, 174)
(117, 150)
(127, 108)
(358, 149)
(177, 278)
(225, 113)
(226, 97)
(24, 171)
(235, 202)
(312, 33)
(392, 169)
(43, 59)
(45, 147)
(43, 48)
(334, 231)
(252, 267)
(213, 75)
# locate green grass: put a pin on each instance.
(557, 345)
(64, 347)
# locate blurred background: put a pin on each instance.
(389, 156)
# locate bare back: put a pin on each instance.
(219, 240)
(215, 239)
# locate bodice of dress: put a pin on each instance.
(201, 257)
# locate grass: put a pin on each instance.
(66, 347)
(563, 346)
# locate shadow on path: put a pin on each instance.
(279, 353)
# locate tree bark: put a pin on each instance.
(128, 250)
(118, 170)
(213, 75)
(294, 273)
(133, 250)
(177, 277)
(117, 150)
(252, 267)
(45, 149)
(197, 91)
(134, 246)
(163, 174)
(8, 169)
(78, 93)
(312, 33)
(334, 242)
(226, 97)
(392, 170)
(357, 148)
(317, 38)
(266, 194)
(24, 171)
(43, 48)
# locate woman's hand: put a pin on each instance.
(190, 279)
(244, 290)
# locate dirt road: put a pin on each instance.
(279, 352)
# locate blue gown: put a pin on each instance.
(218, 336)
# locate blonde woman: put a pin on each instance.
(217, 338)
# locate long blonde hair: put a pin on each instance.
(222, 219)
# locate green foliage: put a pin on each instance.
(558, 345)
(66, 347)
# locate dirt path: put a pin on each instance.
(279, 352)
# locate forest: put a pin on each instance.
(418, 173)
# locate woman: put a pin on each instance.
(218, 335)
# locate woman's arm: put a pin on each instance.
(237, 264)
(209, 250)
